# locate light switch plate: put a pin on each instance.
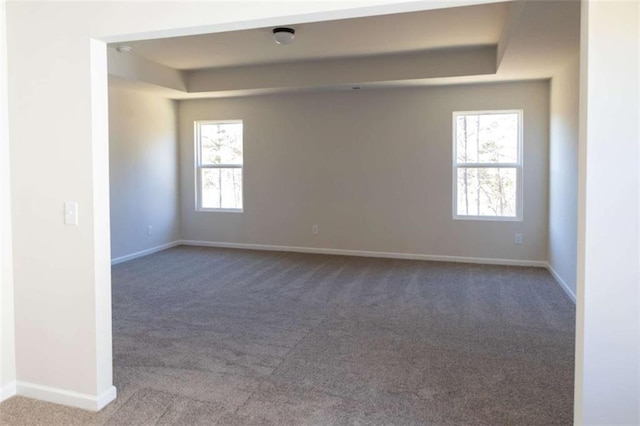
(71, 213)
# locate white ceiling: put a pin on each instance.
(405, 32)
(491, 42)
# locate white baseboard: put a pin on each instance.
(106, 397)
(7, 391)
(361, 253)
(72, 399)
(143, 253)
(562, 283)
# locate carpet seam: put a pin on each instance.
(284, 358)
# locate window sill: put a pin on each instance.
(489, 218)
(220, 210)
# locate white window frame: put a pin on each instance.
(198, 166)
(518, 166)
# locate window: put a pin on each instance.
(219, 165)
(487, 165)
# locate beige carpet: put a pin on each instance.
(237, 337)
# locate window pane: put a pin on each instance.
(487, 138)
(221, 188)
(221, 143)
(487, 191)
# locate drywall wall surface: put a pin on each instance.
(337, 72)
(58, 132)
(372, 168)
(563, 173)
(143, 157)
(607, 388)
(7, 338)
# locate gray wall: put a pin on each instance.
(563, 173)
(144, 176)
(372, 168)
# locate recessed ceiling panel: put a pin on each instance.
(406, 32)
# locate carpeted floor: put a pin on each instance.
(237, 337)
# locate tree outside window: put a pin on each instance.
(487, 165)
(219, 165)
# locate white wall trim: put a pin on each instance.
(106, 397)
(64, 397)
(562, 283)
(362, 253)
(146, 252)
(7, 391)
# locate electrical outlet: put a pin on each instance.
(314, 230)
(518, 239)
(149, 230)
